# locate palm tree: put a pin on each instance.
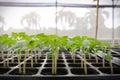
(66, 18)
(2, 22)
(32, 20)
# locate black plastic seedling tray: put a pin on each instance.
(66, 69)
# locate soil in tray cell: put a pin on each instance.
(76, 65)
(16, 60)
(10, 64)
(43, 57)
(94, 61)
(108, 70)
(5, 56)
(58, 65)
(60, 71)
(72, 61)
(87, 57)
(38, 61)
(22, 57)
(113, 53)
(4, 70)
(29, 71)
(118, 56)
(101, 65)
(58, 61)
(80, 71)
(58, 57)
(34, 65)
(1, 60)
(69, 57)
(0, 56)
(117, 50)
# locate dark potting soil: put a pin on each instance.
(29, 71)
(40, 57)
(39, 61)
(108, 70)
(101, 65)
(58, 57)
(76, 65)
(1, 60)
(69, 57)
(34, 65)
(48, 71)
(59, 61)
(10, 64)
(16, 60)
(116, 49)
(72, 61)
(80, 71)
(116, 55)
(94, 61)
(87, 57)
(4, 70)
(58, 65)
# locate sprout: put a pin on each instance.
(108, 56)
(85, 49)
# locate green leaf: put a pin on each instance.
(86, 43)
(49, 55)
(108, 55)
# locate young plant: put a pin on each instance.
(54, 60)
(71, 45)
(104, 47)
(75, 45)
(32, 45)
(2, 53)
(18, 47)
(55, 51)
(18, 51)
(94, 47)
(108, 56)
(85, 50)
(103, 57)
(8, 42)
(39, 44)
(95, 52)
(64, 43)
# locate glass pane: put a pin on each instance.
(117, 23)
(71, 21)
(28, 19)
(82, 21)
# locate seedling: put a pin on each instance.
(108, 56)
(85, 50)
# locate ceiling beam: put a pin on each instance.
(28, 4)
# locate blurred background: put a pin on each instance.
(61, 17)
